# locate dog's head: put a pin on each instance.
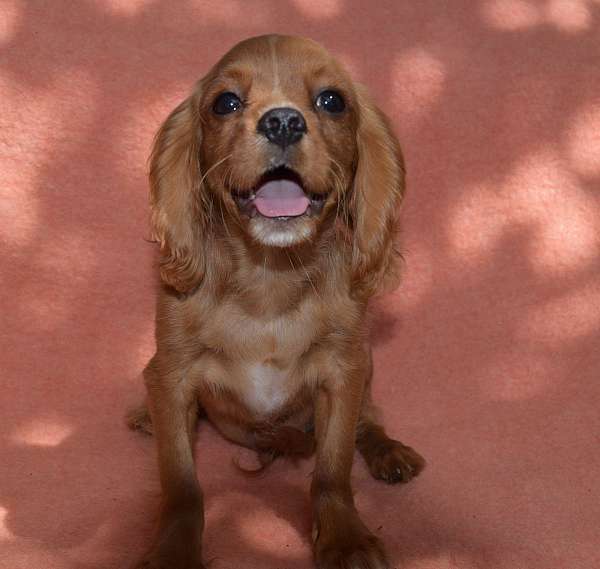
(277, 139)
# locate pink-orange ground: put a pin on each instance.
(487, 357)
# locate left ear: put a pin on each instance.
(376, 198)
(179, 214)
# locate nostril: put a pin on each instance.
(273, 124)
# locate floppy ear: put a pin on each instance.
(178, 219)
(376, 198)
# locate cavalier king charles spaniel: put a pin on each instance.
(275, 189)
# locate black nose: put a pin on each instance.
(283, 126)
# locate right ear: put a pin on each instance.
(178, 218)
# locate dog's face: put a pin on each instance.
(278, 138)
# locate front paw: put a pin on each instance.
(394, 462)
(170, 557)
(178, 546)
(349, 545)
(152, 561)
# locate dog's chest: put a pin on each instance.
(261, 360)
(265, 388)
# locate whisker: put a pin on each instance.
(338, 184)
(207, 201)
(290, 260)
(213, 167)
(265, 272)
(341, 205)
(223, 219)
(227, 181)
(308, 277)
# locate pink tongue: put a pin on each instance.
(281, 198)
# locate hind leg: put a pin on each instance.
(138, 419)
(388, 460)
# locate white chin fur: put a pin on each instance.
(279, 233)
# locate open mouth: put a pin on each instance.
(279, 194)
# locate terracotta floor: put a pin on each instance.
(487, 357)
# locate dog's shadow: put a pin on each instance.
(265, 520)
(383, 324)
(260, 520)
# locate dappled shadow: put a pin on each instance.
(485, 356)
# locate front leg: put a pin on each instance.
(172, 404)
(341, 540)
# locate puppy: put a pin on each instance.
(275, 188)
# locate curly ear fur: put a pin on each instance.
(178, 220)
(376, 198)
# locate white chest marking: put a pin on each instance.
(266, 389)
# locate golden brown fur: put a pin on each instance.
(261, 322)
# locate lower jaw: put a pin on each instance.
(281, 231)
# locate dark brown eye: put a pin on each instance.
(330, 102)
(226, 103)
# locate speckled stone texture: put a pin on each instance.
(487, 357)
